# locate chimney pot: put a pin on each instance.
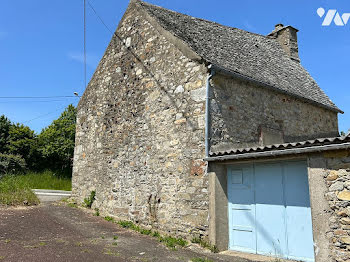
(278, 27)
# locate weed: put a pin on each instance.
(196, 240)
(72, 204)
(79, 244)
(108, 218)
(172, 242)
(200, 259)
(169, 241)
(103, 237)
(97, 212)
(115, 237)
(205, 244)
(110, 252)
(42, 244)
(62, 241)
(7, 241)
(145, 231)
(126, 224)
(114, 243)
(90, 200)
(155, 234)
(2, 257)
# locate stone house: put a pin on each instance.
(179, 105)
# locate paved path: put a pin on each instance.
(48, 195)
(56, 232)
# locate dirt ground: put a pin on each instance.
(56, 232)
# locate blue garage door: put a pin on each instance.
(269, 210)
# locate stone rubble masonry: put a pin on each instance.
(240, 110)
(141, 128)
(140, 135)
(334, 169)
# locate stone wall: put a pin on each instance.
(140, 132)
(334, 169)
(244, 113)
(141, 127)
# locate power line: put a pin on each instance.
(41, 116)
(32, 101)
(31, 97)
(99, 17)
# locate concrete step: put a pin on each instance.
(49, 195)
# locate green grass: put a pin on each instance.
(14, 190)
(110, 219)
(46, 180)
(169, 241)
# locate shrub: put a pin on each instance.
(12, 164)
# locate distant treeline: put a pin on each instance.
(21, 149)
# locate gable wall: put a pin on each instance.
(140, 135)
(242, 110)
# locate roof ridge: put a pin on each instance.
(201, 19)
(232, 49)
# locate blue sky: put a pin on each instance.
(41, 45)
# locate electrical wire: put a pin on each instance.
(34, 97)
(32, 101)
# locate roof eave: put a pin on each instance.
(284, 152)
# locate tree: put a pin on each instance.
(5, 125)
(22, 142)
(56, 142)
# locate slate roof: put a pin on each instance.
(253, 56)
(280, 147)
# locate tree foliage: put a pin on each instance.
(22, 141)
(53, 148)
(5, 125)
(56, 142)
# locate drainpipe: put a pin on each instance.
(207, 111)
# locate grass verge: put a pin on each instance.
(46, 180)
(14, 191)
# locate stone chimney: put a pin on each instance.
(287, 37)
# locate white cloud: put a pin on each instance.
(91, 60)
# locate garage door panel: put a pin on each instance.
(298, 211)
(242, 209)
(270, 225)
(243, 229)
